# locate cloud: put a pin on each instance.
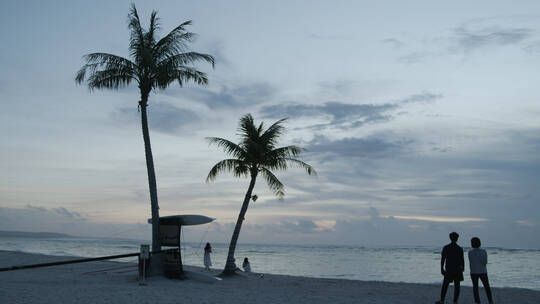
(280, 230)
(299, 226)
(217, 49)
(226, 96)
(294, 227)
(533, 47)
(162, 117)
(437, 193)
(368, 147)
(166, 118)
(345, 115)
(526, 223)
(411, 190)
(414, 57)
(326, 37)
(469, 39)
(412, 230)
(440, 149)
(339, 86)
(36, 209)
(374, 213)
(367, 226)
(441, 219)
(471, 36)
(61, 220)
(35, 219)
(394, 43)
(491, 187)
(63, 211)
(423, 98)
(320, 192)
(338, 112)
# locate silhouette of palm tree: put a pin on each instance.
(155, 64)
(255, 154)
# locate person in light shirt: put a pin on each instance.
(478, 263)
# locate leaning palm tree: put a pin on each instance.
(155, 64)
(255, 154)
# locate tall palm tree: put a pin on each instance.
(154, 64)
(255, 154)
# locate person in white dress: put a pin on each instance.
(207, 261)
(246, 266)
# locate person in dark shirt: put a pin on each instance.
(452, 267)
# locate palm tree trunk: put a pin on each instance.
(230, 266)
(156, 244)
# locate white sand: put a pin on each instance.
(88, 283)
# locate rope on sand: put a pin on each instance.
(108, 269)
(110, 257)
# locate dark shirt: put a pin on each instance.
(452, 257)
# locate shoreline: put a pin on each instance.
(117, 282)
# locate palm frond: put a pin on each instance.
(247, 128)
(136, 40)
(182, 59)
(309, 169)
(281, 158)
(273, 183)
(271, 135)
(106, 58)
(236, 166)
(228, 146)
(242, 170)
(260, 129)
(109, 79)
(104, 61)
(173, 43)
(152, 29)
(182, 75)
(287, 151)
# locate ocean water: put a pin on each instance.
(506, 267)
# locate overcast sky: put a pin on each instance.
(420, 117)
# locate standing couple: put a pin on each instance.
(453, 265)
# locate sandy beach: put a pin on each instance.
(117, 282)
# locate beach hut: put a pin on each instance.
(170, 230)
